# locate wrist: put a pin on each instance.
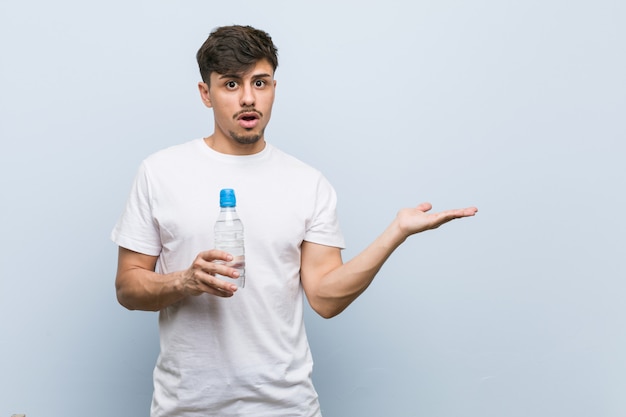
(395, 235)
(178, 283)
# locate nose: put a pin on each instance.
(247, 96)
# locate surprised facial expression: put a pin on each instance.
(241, 103)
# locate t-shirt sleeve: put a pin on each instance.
(136, 228)
(324, 225)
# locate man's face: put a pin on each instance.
(242, 104)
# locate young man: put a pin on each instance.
(228, 351)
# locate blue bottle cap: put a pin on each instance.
(227, 198)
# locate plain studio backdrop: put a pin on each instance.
(515, 107)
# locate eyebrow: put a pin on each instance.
(238, 76)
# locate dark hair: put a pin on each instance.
(235, 49)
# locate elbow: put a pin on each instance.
(122, 295)
(126, 300)
(327, 310)
(123, 300)
(328, 314)
(328, 305)
(128, 304)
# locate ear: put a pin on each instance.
(203, 88)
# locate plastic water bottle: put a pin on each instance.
(229, 235)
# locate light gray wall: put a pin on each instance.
(516, 107)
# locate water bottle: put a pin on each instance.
(229, 235)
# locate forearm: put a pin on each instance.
(141, 289)
(339, 287)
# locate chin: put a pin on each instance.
(246, 139)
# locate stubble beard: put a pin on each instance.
(246, 139)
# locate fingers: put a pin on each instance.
(465, 212)
(470, 211)
(453, 214)
(204, 275)
(418, 219)
(424, 207)
(215, 255)
(448, 215)
(213, 283)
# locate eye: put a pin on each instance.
(231, 85)
(259, 83)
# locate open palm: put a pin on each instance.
(417, 219)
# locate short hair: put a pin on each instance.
(235, 49)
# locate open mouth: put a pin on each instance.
(248, 116)
(248, 120)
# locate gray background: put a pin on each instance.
(516, 107)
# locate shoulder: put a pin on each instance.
(289, 161)
(299, 177)
(180, 152)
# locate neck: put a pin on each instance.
(231, 147)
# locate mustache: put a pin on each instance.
(250, 110)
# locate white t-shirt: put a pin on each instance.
(246, 355)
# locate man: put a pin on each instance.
(228, 351)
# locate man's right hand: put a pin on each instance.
(201, 275)
(139, 287)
